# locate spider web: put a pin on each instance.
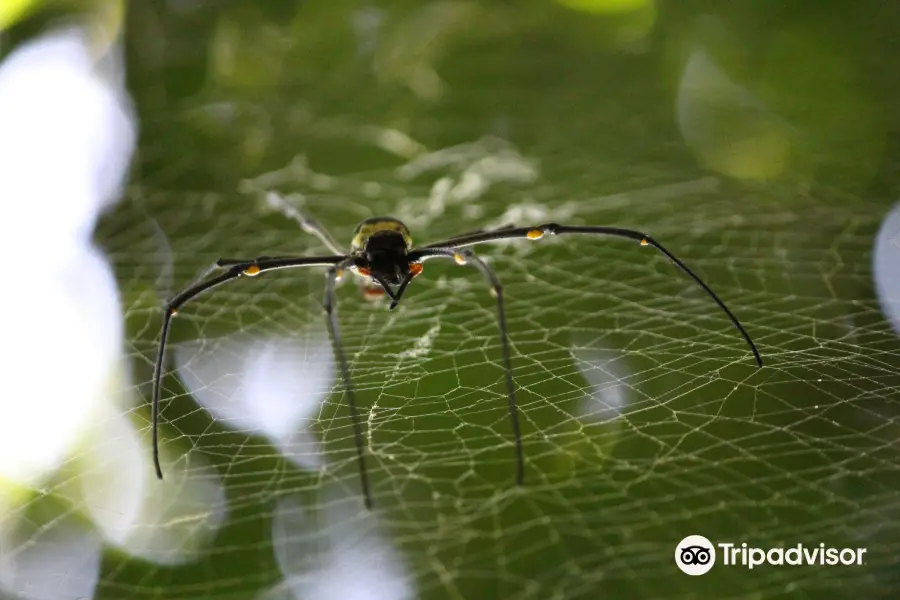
(644, 417)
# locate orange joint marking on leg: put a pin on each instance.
(363, 271)
(459, 258)
(644, 242)
(535, 234)
(173, 311)
(252, 271)
(338, 274)
(415, 269)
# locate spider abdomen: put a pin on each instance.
(376, 227)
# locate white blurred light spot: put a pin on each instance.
(58, 561)
(66, 137)
(604, 370)
(268, 386)
(61, 364)
(886, 267)
(316, 555)
(65, 141)
(167, 522)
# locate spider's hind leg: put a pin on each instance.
(306, 222)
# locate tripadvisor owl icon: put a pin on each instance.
(695, 555)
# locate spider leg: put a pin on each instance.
(464, 256)
(451, 242)
(386, 287)
(536, 233)
(399, 294)
(307, 223)
(332, 321)
(228, 262)
(238, 268)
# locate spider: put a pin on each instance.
(382, 254)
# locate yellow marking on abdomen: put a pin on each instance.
(370, 227)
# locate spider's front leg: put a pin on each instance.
(224, 263)
(331, 277)
(235, 269)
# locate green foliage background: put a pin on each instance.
(802, 451)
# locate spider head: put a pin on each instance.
(385, 253)
(381, 246)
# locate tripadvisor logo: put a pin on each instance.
(696, 555)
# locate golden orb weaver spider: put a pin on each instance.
(382, 253)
